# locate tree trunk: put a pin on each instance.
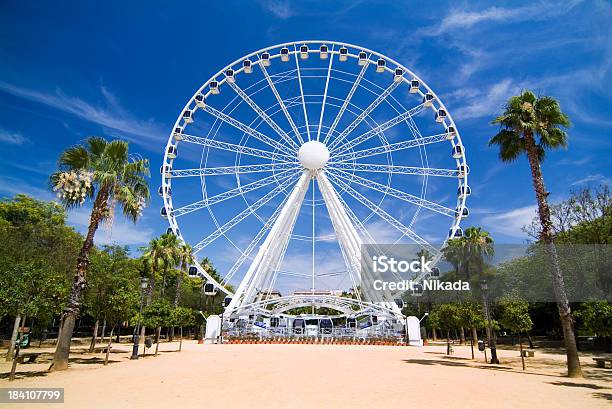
(530, 341)
(433, 333)
(489, 328)
(11, 351)
(177, 297)
(521, 349)
(92, 345)
(143, 331)
(181, 339)
(108, 347)
(73, 306)
(565, 314)
(16, 355)
(474, 334)
(472, 347)
(157, 334)
(103, 331)
(448, 346)
(461, 335)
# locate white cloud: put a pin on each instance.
(596, 178)
(10, 186)
(459, 19)
(12, 138)
(123, 231)
(510, 223)
(477, 104)
(112, 116)
(280, 8)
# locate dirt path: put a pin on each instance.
(320, 376)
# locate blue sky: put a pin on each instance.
(123, 69)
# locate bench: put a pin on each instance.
(601, 362)
(528, 353)
(28, 357)
(102, 350)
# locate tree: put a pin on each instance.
(184, 256)
(29, 289)
(121, 300)
(109, 268)
(182, 317)
(156, 316)
(446, 316)
(597, 318)
(515, 317)
(36, 247)
(531, 125)
(105, 173)
(159, 256)
(471, 316)
(470, 252)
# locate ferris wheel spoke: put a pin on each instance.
(247, 129)
(398, 194)
(281, 103)
(232, 170)
(240, 190)
(383, 149)
(365, 113)
(331, 60)
(246, 254)
(383, 214)
(263, 115)
(346, 102)
(244, 214)
(400, 170)
(299, 73)
(380, 128)
(260, 153)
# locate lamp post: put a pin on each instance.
(143, 285)
(490, 334)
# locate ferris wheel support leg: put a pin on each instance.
(271, 250)
(350, 242)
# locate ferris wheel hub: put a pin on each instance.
(313, 155)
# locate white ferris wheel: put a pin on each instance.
(288, 159)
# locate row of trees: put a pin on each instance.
(39, 251)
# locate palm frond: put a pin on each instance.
(511, 144)
(74, 158)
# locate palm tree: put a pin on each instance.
(158, 255)
(104, 172)
(477, 244)
(530, 125)
(185, 257)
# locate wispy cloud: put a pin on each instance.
(459, 19)
(112, 116)
(280, 8)
(488, 102)
(12, 138)
(596, 178)
(10, 186)
(510, 223)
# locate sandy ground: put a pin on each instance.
(317, 376)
